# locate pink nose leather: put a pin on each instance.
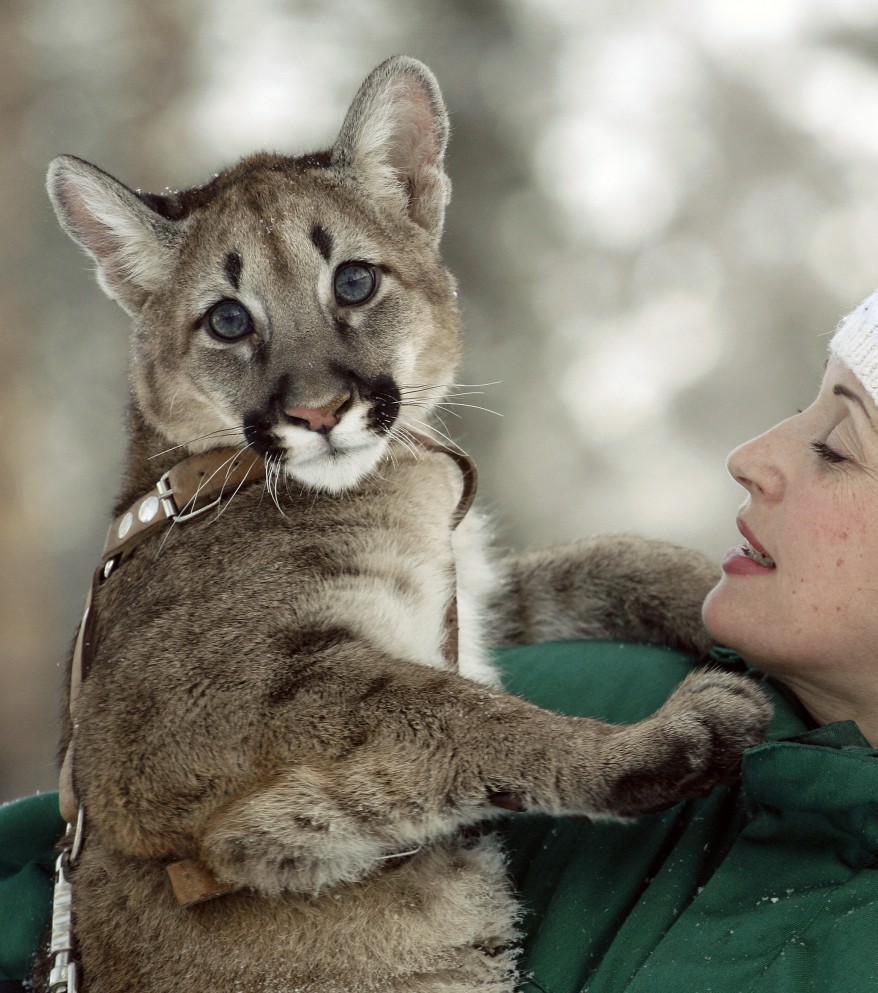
(319, 418)
(316, 420)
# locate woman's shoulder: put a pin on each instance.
(29, 831)
(614, 681)
(741, 890)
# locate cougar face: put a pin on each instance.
(297, 306)
(296, 323)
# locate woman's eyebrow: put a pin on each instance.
(843, 391)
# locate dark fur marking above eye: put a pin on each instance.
(234, 266)
(322, 241)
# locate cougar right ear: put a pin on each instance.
(129, 242)
(394, 137)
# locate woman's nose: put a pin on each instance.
(755, 466)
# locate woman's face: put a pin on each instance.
(799, 598)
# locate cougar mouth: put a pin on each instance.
(333, 460)
(260, 437)
(267, 439)
(334, 444)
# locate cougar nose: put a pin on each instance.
(322, 419)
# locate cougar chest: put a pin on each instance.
(403, 586)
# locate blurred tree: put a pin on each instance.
(95, 87)
(658, 206)
(27, 607)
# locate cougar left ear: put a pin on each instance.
(395, 135)
(127, 239)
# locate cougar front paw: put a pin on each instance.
(698, 738)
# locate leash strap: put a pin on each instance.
(64, 974)
(470, 475)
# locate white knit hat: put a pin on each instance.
(856, 343)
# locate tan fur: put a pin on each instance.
(269, 693)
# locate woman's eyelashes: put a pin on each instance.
(826, 453)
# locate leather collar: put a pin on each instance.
(192, 487)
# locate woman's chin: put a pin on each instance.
(718, 616)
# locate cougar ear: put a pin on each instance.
(395, 135)
(128, 240)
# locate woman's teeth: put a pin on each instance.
(763, 560)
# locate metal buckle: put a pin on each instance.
(166, 496)
(77, 833)
(63, 977)
(169, 504)
(201, 510)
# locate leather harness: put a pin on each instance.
(193, 487)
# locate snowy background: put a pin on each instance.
(660, 208)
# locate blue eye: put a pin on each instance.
(355, 282)
(228, 320)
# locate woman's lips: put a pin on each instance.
(738, 562)
(750, 538)
(749, 559)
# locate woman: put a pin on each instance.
(798, 599)
(770, 883)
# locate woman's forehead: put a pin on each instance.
(839, 379)
(836, 370)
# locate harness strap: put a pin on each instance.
(193, 487)
(470, 476)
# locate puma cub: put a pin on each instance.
(292, 691)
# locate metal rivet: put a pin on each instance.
(148, 509)
(125, 524)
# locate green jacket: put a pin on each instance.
(770, 884)
(766, 886)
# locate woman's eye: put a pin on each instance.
(826, 453)
(354, 283)
(228, 320)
